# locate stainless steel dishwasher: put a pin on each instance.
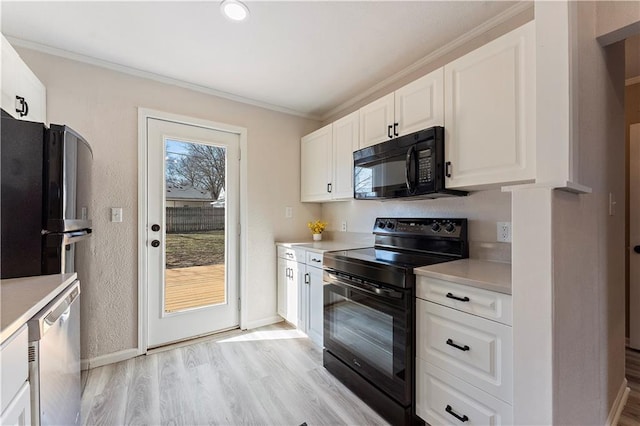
(54, 360)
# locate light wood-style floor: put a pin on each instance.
(269, 376)
(631, 414)
(193, 287)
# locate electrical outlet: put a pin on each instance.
(343, 228)
(288, 212)
(504, 232)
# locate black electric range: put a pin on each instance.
(369, 309)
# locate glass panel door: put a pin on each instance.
(192, 231)
(195, 225)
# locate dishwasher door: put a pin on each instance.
(54, 360)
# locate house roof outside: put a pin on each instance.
(187, 193)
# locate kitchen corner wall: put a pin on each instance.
(482, 208)
(102, 106)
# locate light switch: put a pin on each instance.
(288, 212)
(116, 214)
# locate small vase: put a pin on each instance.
(317, 237)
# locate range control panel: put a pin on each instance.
(453, 228)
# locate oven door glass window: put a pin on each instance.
(370, 334)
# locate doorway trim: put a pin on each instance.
(143, 115)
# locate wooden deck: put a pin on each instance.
(193, 287)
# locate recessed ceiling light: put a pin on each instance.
(234, 10)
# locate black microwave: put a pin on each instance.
(408, 166)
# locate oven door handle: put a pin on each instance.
(365, 288)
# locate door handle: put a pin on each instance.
(395, 129)
(447, 169)
(24, 106)
(637, 249)
(389, 127)
(155, 243)
(155, 227)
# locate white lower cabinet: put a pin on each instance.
(464, 354)
(290, 279)
(315, 305)
(18, 412)
(444, 399)
(468, 346)
(300, 291)
(15, 398)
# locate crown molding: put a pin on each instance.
(152, 76)
(436, 54)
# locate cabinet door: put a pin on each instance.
(303, 299)
(490, 113)
(18, 411)
(14, 365)
(283, 277)
(375, 120)
(289, 277)
(315, 165)
(345, 141)
(420, 104)
(315, 305)
(19, 80)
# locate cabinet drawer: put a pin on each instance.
(291, 253)
(477, 350)
(314, 259)
(484, 303)
(443, 399)
(14, 365)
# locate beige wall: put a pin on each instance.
(588, 244)
(616, 20)
(102, 105)
(482, 208)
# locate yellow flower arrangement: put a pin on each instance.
(317, 227)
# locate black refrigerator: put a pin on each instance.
(45, 197)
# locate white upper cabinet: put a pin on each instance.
(315, 165)
(416, 106)
(327, 161)
(490, 113)
(345, 141)
(420, 104)
(23, 95)
(376, 121)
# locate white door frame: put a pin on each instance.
(143, 115)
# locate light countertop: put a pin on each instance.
(322, 246)
(22, 298)
(488, 275)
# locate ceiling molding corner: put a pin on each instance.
(152, 76)
(501, 18)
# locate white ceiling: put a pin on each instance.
(306, 57)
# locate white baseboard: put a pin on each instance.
(262, 322)
(618, 404)
(101, 360)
